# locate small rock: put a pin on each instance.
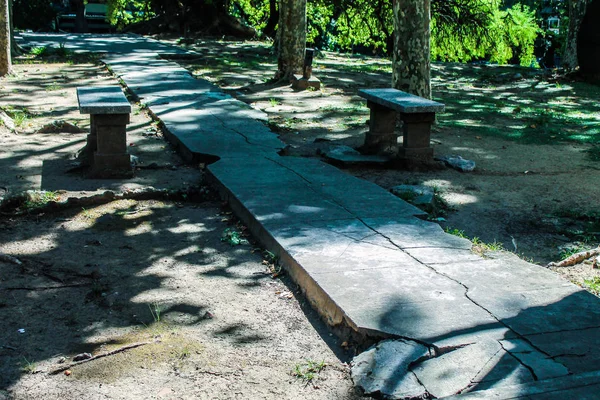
(458, 163)
(68, 372)
(517, 76)
(82, 356)
(62, 360)
(348, 156)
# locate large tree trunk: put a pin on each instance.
(80, 22)
(411, 59)
(577, 9)
(5, 61)
(291, 37)
(588, 43)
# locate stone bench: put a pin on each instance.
(106, 148)
(416, 113)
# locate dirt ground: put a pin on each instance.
(213, 320)
(534, 139)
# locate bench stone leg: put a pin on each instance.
(381, 137)
(416, 133)
(111, 159)
(86, 154)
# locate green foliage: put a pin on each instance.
(252, 12)
(233, 237)
(308, 370)
(121, 13)
(462, 30)
(593, 284)
(39, 199)
(508, 34)
(456, 232)
(33, 14)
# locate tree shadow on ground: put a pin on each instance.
(90, 276)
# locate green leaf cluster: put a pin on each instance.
(462, 30)
(507, 35)
(124, 12)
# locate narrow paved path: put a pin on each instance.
(366, 261)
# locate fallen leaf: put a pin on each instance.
(68, 372)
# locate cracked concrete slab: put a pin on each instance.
(577, 350)
(542, 365)
(364, 259)
(384, 369)
(402, 300)
(579, 386)
(441, 377)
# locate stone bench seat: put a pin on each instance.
(416, 113)
(106, 148)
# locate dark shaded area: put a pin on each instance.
(588, 43)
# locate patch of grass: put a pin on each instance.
(308, 370)
(593, 284)
(456, 232)
(52, 87)
(233, 237)
(40, 199)
(28, 367)
(274, 102)
(493, 246)
(569, 251)
(39, 51)
(155, 311)
(20, 116)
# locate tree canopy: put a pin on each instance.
(461, 30)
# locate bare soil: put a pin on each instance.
(216, 321)
(534, 138)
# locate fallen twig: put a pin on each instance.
(576, 258)
(10, 259)
(110, 353)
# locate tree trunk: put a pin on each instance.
(80, 22)
(411, 59)
(588, 43)
(577, 9)
(291, 36)
(15, 49)
(5, 61)
(273, 18)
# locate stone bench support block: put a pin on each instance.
(106, 148)
(382, 125)
(416, 113)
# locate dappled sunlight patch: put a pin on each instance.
(164, 345)
(459, 199)
(188, 227)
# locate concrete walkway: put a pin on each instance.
(499, 327)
